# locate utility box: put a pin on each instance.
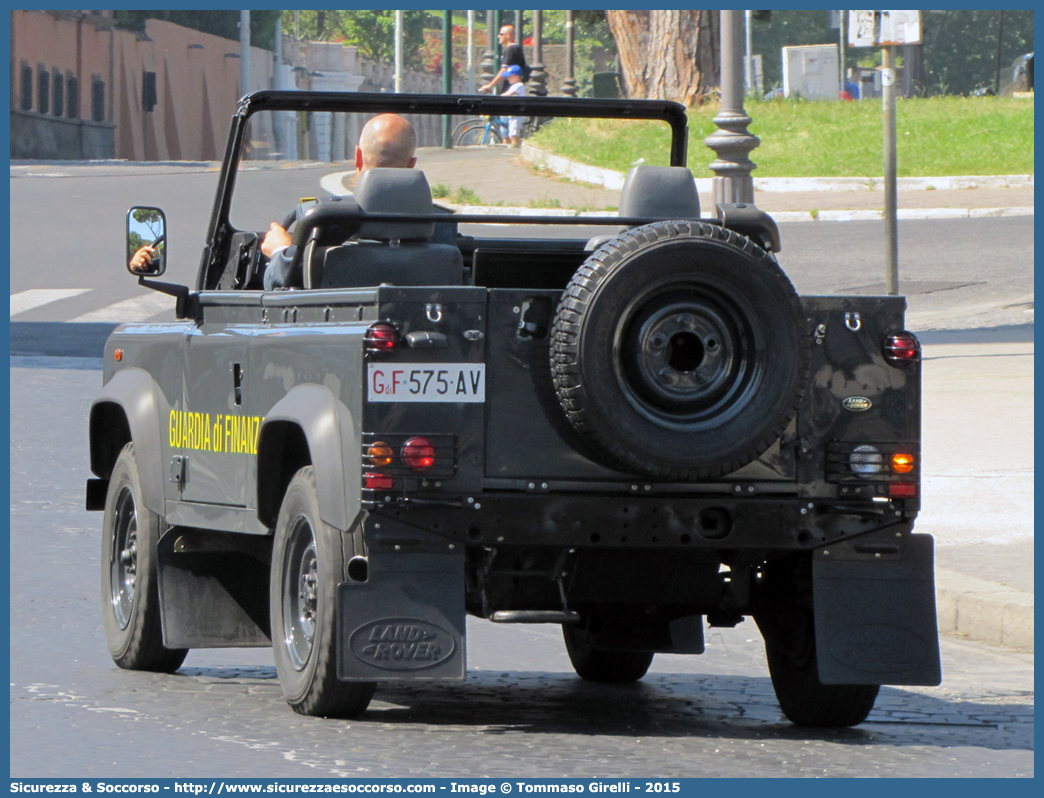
(755, 83)
(811, 72)
(607, 85)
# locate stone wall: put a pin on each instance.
(36, 137)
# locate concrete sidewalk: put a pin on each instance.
(531, 181)
(977, 487)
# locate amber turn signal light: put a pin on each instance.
(902, 463)
(380, 454)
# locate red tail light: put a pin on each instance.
(902, 490)
(902, 349)
(378, 482)
(418, 454)
(382, 338)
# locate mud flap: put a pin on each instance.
(213, 589)
(874, 602)
(406, 621)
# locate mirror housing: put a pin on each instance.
(146, 241)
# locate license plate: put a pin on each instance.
(426, 382)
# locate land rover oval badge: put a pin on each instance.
(857, 404)
(401, 644)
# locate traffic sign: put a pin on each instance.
(877, 28)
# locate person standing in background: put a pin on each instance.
(511, 55)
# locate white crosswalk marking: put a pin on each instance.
(138, 309)
(35, 297)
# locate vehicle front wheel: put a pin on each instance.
(130, 575)
(603, 665)
(790, 646)
(306, 558)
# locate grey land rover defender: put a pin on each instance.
(634, 433)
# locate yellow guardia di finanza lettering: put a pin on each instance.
(220, 433)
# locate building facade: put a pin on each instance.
(83, 89)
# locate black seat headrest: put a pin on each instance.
(384, 190)
(664, 192)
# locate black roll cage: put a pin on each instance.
(449, 104)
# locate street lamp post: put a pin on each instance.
(398, 51)
(244, 52)
(890, 169)
(538, 77)
(447, 71)
(488, 64)
(569, 84)
(731, 141)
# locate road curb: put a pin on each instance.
(901, 214)
(983, 611)
(780, 217)
(611, 179)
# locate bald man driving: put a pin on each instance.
(387, 140)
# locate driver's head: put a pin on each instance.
(387, 140)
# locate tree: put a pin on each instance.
(150, 219)
(960, 47)
(218, 23)
(772, 31)
(959, 51)
(373, 32)
(668, 55)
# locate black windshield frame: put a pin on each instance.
(220, 229)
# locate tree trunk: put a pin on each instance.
(668, 55)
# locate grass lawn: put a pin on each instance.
(936, 136)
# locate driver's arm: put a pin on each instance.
(275, 238)
(142, 259)
(274, 247)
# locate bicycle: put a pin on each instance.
(480, 131)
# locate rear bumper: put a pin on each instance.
(712, 522)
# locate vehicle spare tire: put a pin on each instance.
(679, 351)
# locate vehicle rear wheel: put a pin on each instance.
(603, 665)
(129, 575)
(790, 646)
(678, 351)
(306, 562)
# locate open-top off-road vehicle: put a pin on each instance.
(632, 431)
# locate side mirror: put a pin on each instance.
(146, 241)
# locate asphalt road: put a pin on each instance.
(957, 274)
(521, 711)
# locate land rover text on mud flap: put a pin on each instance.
(629, 433)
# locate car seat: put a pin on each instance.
(391, 252)
(656, 192)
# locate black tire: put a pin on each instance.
(306, 569)
(602, 665)
(791, 650)
(679, 351)
(462, 126)
(129, 575)
(473, 135)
